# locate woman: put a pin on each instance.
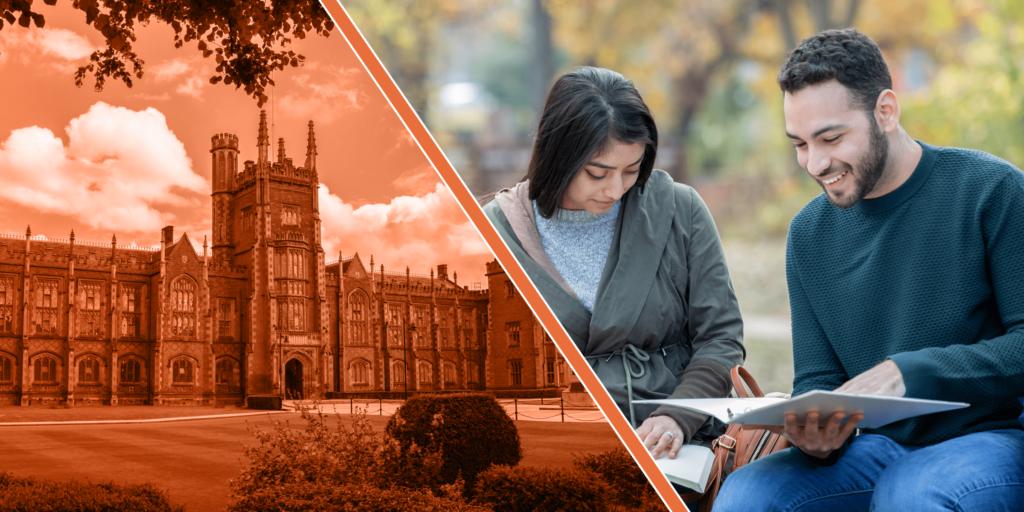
(629, 261)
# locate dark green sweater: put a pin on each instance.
(931, 276)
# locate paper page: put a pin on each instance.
(725, 409)
(878, 410)
(691, 467)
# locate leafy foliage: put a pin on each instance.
(246, 39)
(627, 483)
(470, 431)
(30, 495)
(511, 489)
(348, 497)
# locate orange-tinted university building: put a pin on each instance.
(254, 315)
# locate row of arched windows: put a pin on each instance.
(359, 373)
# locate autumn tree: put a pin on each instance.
(247, 40)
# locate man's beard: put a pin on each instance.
(869, 169)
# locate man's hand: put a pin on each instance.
(884, 379)
(654, 432)
(819, 441)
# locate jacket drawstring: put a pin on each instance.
(631, 354)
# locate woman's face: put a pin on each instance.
(605, 178)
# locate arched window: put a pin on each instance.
(182, 371)
(6, 304)
(184, 316)
(131, 317)
(131, 371)
(424, 370)
(360, 373)
(448, 371)
(398, 374)
(89, 370)
(357, 306)
(225, 371)
(6, 369)
(89, 318)
(47, 307)
(45, 369)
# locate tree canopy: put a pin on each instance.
(247, 40)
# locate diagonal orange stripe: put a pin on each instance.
(469, 205)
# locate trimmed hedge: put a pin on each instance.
(512, 489)
(628, 484)
(350, 498)
(31, 495)
(471, 432)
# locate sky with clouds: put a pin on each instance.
(128, 161)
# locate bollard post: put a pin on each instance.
(351, 406)
(380, 404)
(515, 401)
(563, 409)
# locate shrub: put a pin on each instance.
(628, 484)
(317, 454)
(30, 495)
(470, 431)
(350, 498)
(511, 489)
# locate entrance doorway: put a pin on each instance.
(293, 380)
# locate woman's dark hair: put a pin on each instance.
(585, 111)
(847, 56)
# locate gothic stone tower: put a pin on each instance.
(266, 218)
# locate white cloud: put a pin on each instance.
(325, 97)
(416, 231)
(121, 170)
(29, 44)
(187, 73)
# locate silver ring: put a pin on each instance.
(671, 436)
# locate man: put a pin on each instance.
(906, 278)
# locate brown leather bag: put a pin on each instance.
(746, 445)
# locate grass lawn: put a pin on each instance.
(193, 460)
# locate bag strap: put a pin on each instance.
(740, 375)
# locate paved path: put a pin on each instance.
(520, 410)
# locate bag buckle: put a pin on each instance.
(722, 440)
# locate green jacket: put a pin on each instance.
(666, 323)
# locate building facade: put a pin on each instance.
(254, 313)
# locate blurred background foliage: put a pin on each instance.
(477, 71)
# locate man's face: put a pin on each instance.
(841, 146)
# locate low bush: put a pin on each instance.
(512, 489)
(31, 495)
(470, 432)
(349, 498)
(627, 483)
(316, 454)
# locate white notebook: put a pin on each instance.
(691, 467)
(878, 410)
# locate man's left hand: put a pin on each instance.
(884, 379)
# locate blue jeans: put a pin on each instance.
(983, 471)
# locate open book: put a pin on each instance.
(878, 410)
(691, 467)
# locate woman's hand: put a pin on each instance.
(660, 435)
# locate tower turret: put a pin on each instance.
(311, 149)
(263, 140)
(224, 148)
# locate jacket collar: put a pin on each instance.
(641, 234)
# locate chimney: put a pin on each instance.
(168, 235)
(442, 271)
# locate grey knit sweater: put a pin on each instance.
(578, 242)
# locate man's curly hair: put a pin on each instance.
(847, 56)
